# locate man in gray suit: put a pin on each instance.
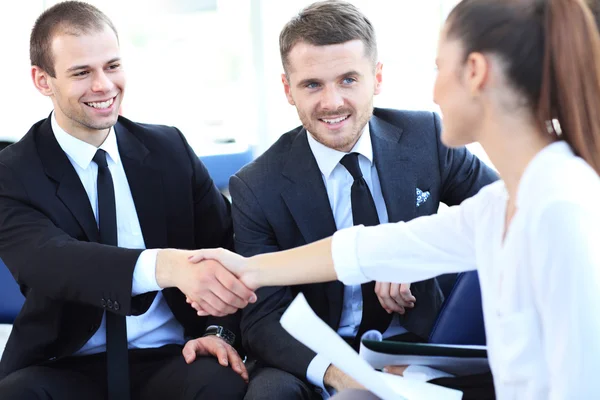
(347, 164)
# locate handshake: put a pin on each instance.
(219, 282)
(215, 281)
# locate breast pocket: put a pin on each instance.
(520, 349)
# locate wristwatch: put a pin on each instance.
(223, 333)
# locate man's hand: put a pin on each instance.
(217, 347)
(395, 369)
(235, 263)
(394, 297)
(226, 259)
(337, 379)
(216, 290)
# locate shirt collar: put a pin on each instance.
(328, 158)
(81, 152)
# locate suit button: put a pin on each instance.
(109, 304)
(116, 306)
(103, 302)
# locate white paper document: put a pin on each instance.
(458, 366)
(304, 325)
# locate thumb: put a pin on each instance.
(203, 254)
(395, 369)
(190, 349)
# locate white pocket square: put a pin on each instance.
(422, 196)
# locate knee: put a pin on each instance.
(18, 386)
(272, 384)
(218, 382)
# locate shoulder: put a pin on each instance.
(23, 152)
(151, 134)
(269, 165)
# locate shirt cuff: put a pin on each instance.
(316, 372)
(345, 256)
(144, 274)
(424, 374)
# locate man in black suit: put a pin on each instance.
(348, 163)
(93, 208)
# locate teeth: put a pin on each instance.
(334, 121)
(104, 104)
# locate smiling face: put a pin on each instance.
(89, 84)
(332, 88)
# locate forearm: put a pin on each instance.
(311, 263)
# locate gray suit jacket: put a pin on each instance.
(280, 202)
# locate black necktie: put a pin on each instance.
(116, 328)
(364, 212)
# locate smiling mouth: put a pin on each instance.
(101, 104)
(332, 121)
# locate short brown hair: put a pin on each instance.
(71, 17)
(325, 23)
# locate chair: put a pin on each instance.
(460, 321)
(11, 299)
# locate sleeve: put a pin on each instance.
(408, 252)
(565, 257)
(463, 174)
(316, 372)
(144, 274)
(263, 336)
(43, 257)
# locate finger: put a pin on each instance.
(241, 295)
(395, 369)
(406, 293)
(388, 303)
(199, 310)
(190, 350)
(214, 306)
(236, 363)
(395, 294)
(203, 254)
(221, 354)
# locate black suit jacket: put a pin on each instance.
(48, 235)
(280, 202)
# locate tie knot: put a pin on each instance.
(100, 158)
(350, 162)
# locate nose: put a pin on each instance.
(101, 82)
(331, 98)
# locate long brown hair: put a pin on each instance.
(552, 51)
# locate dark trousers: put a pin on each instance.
(160, 373)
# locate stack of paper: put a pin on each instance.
(303, 324)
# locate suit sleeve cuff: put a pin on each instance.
(345, 257)
(424, 374)
(316, 372)
(144, 274)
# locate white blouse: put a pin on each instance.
(540, 286)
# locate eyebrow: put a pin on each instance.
(305, 82)
(78, 67)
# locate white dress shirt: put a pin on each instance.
(540, 284)
(157, 326)
(338, 183)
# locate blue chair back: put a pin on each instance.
(460, 320)
(11, 299)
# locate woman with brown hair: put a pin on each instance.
(522, 78)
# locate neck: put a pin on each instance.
(95, 137)
(511, 142)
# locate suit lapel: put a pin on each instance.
(145, 183)
(306, 198)
(397, 173)
(69, 187)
